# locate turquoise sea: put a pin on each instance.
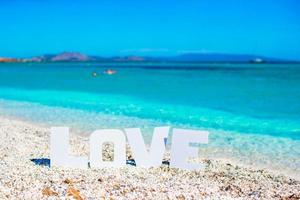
(251, 110)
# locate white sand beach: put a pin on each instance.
(20, 178)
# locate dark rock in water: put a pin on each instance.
(41, 161)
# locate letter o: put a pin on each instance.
(97, 138)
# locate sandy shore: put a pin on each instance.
(20, 178)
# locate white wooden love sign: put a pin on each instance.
(181, 150)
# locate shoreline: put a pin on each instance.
(204, 153)
(21, 178)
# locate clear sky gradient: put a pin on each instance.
(156, 27)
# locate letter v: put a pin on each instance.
(142, 157)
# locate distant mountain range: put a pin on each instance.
(189, 57)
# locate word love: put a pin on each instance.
(181, 149)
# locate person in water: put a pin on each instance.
(110, 71)
(94, 74)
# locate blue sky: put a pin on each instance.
(164, 27)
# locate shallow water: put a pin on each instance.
(252, 111)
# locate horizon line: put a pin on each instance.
(178, 53)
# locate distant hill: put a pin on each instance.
(7, 60)
(63, 57)
(79, 57)
(189, 57)
(218, 57)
